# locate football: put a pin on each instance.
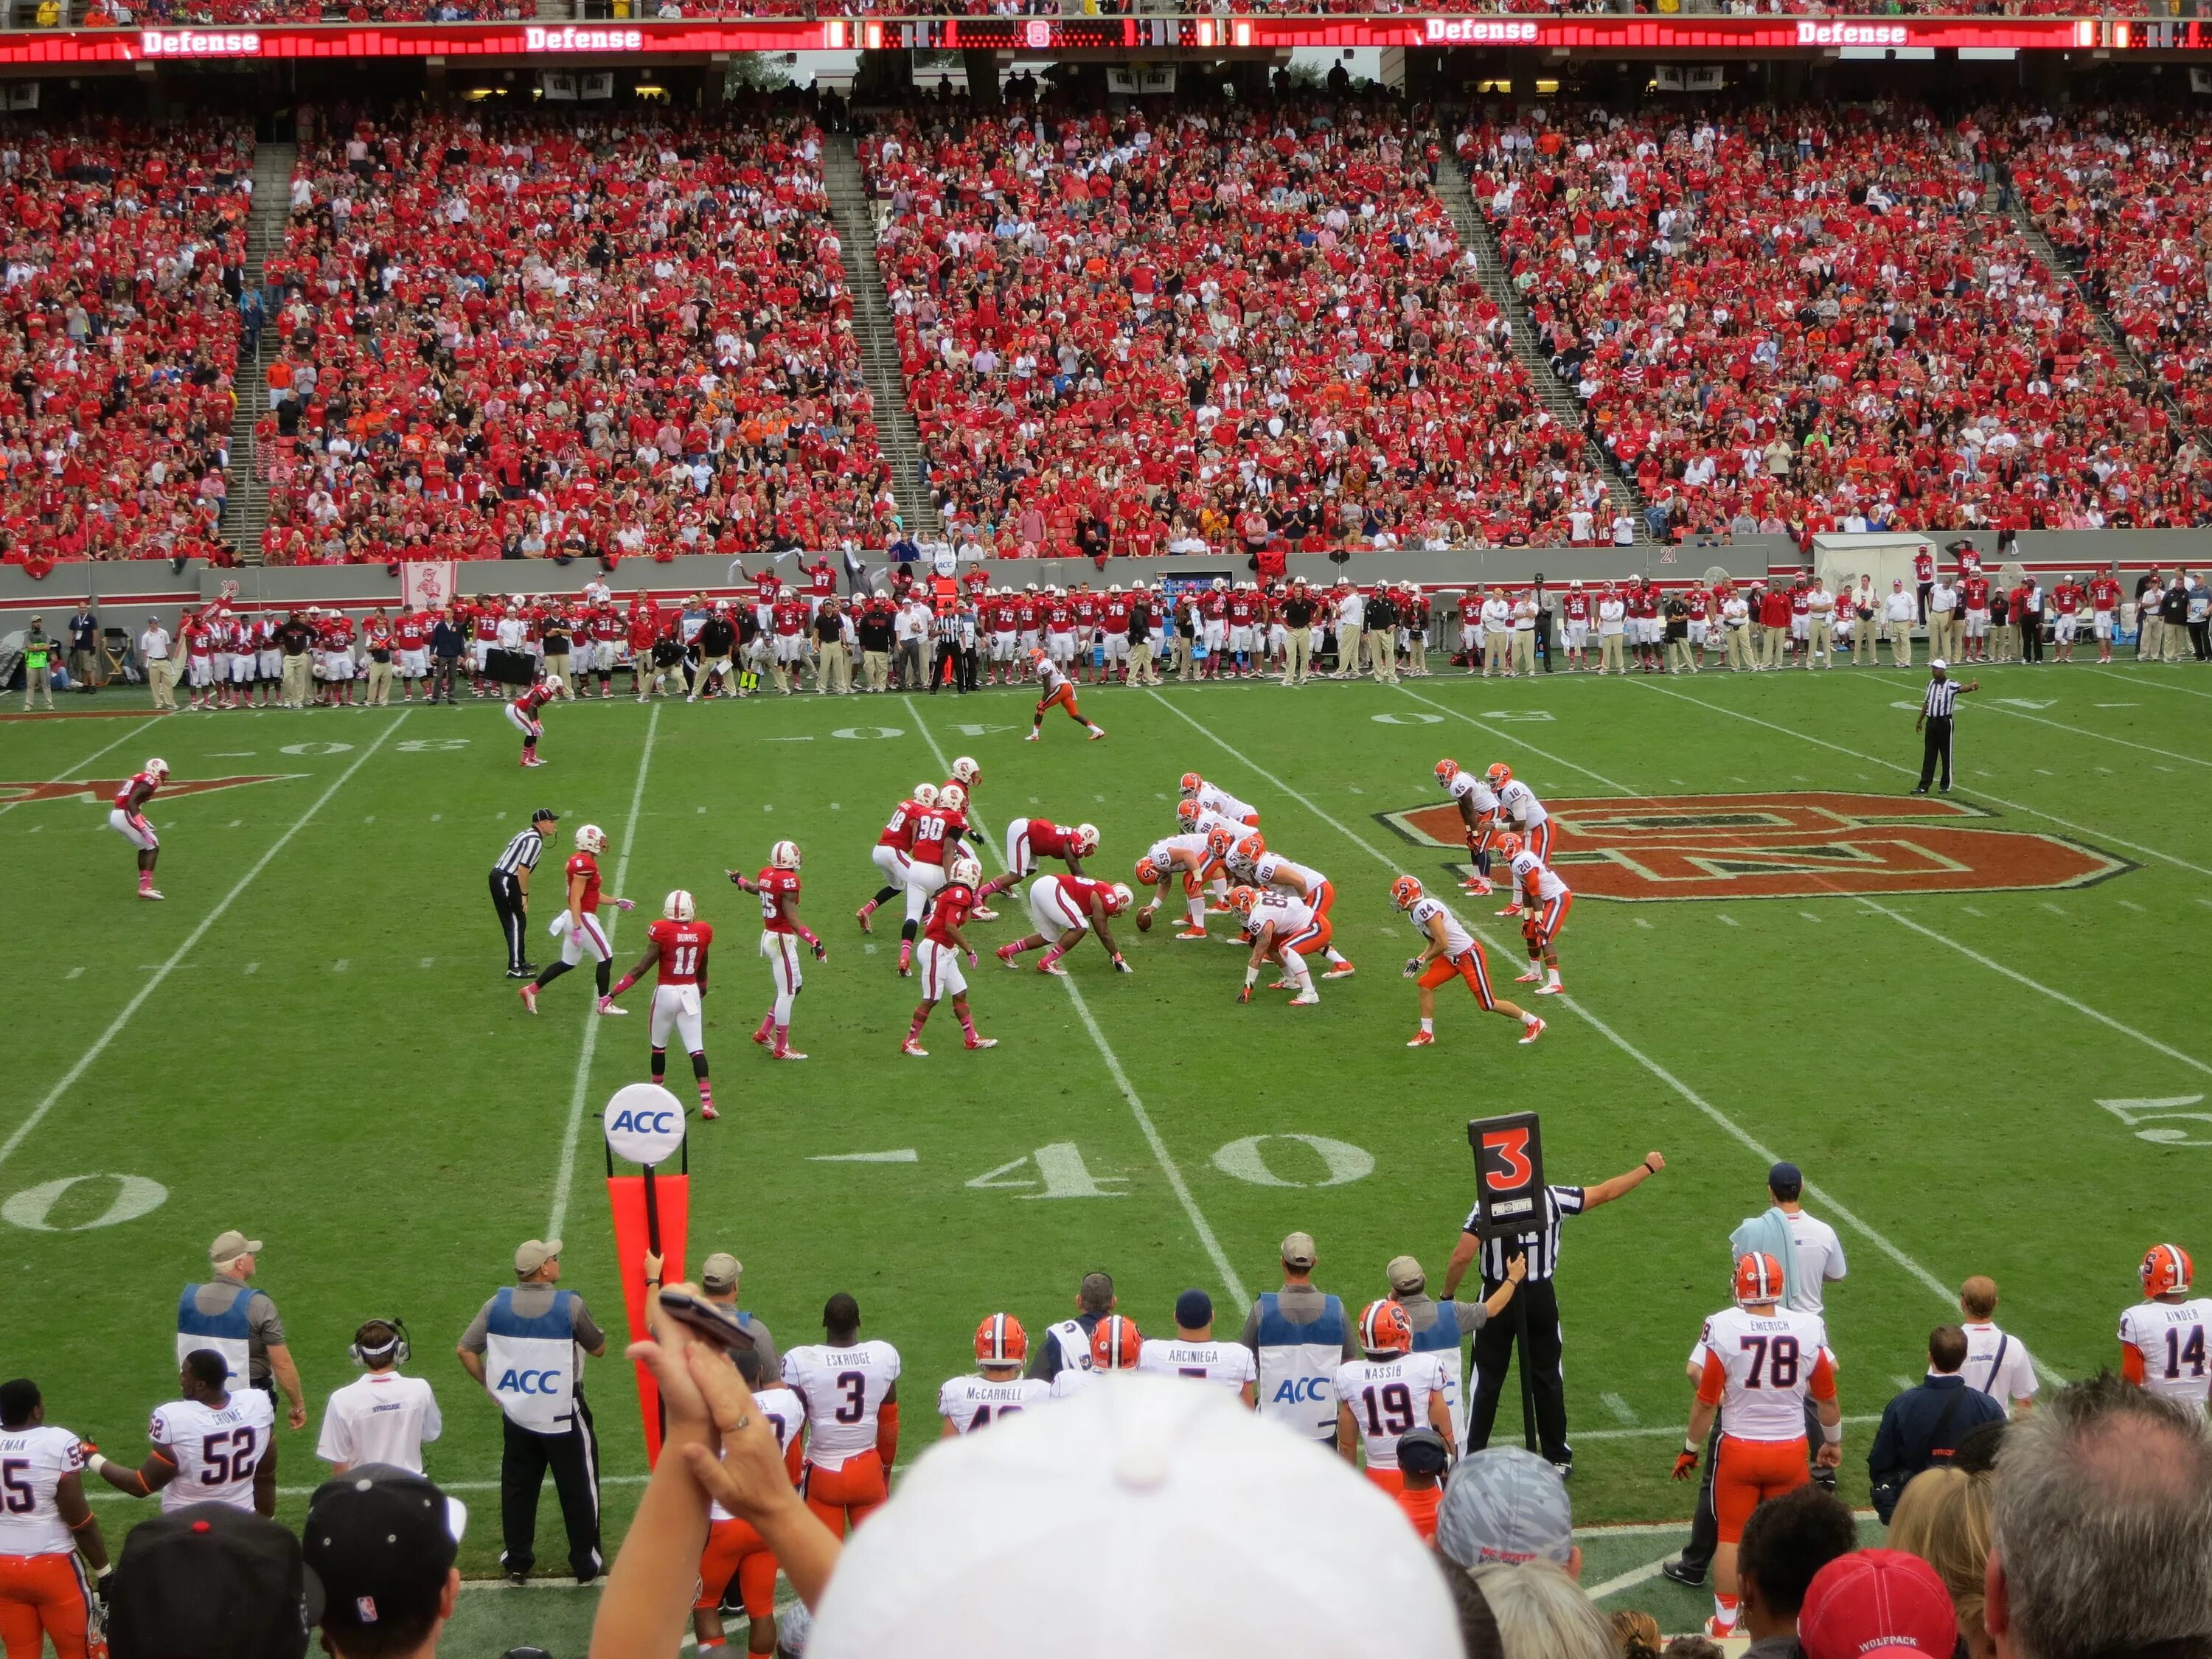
(1144, 919)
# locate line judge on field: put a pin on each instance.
(1934, 723)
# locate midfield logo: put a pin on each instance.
(1786, 844)
(15, 794)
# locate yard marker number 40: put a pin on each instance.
(2163, 1110)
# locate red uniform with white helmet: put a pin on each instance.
(675, 949)
(127, 819)
(781, 933)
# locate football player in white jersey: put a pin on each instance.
(1755, 1363)
(1214, 799)
(996, 1388)
(210, 1447)
(2162, 1338)
(1519, 809)
(1193, 819)
(1250, 862)
(1116, 1344)
(1478, 813)
(1282, 929)
(45, 1525)
(1195, 1353)
(1188, 853)
(1390, 1390)
(1450, 951)
(1544, 900)
(851, 1389)
(735, 1549)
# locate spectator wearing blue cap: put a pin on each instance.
(1195, 1353)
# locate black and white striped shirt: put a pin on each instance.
(1542, 1247)
(1942, 698)
(522, 853)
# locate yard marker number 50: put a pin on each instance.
(2161, 1110)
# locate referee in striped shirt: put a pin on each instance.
(1539, 1300)
(1934, 723)
(510, 889)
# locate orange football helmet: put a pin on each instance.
(1498, 775)
(1505, 845)
(1252, 847)
(1115, 1344)
(1384, 1328)
(1446, 771)
(1406, 893)
(1242, 899)
(1758, 1279)
(1187, 814)
(2166, 1270)
(1219, 840)
(1001, 1340)
(1148, 873)
(1192, 783)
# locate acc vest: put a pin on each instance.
(1298, 1365)
(531, 1363)
(227, 1333)
(1442, 1337)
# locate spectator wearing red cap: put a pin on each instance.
(1877, 1604)
(1786, 1543)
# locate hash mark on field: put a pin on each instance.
(1619, 1408)
(1800, 777)
(1739, 778)
(1810, 917)
(2045, 772)
(437, 817)
(340, 965)
(2155, 767)
(2054, 909)
(2130, 905)
(36, 828)
(1640, 922)
(371, 818)
(1969, 910)
(1099, 799)
(1679, 784)
(2206, 902)
(1902, 1380)
(1033, 799)
(252, 967)
(235, 823)
(870, 949)
(73, 973)
(2105, 771)
(1731, 922)
(835, 807)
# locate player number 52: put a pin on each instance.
(2160, 1111)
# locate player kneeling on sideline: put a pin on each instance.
(678, 948)
(781, 930)
(997, 1387)
(1451, 950)
(1066, 906)
(578, 927)
(522, 715)
(1544, 900)
(1282, 930)
(1116, 1344)
(128, 820)
(1389, 1391)
(942, 947)
(735, 1550)
(1057, 691)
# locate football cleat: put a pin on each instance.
(1511, 910)
(1032, 737)
(1480, 886)
(786, 1054)
(709, 1112)
(1534, 976)
(1214, 910)
(1191, 932)
(911, 1046)
(528, 996)
(1554, 990)
(1306, 998)
(1245, 994)
(864, 916)
(1049, 966)
(982, 913)
(1532, 1033)
(762, 1037)
(607, 1005)
(979, 1042)
(1007, 954)
(150, 892)
(1096, 733)
(1421, 1040)
(1340, 970)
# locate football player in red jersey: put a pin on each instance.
(777, 885)
(1068, 907)
(578, 924)
(128, 820)
(942, 947)
(678, 947)
(523, 715)
(1028, 840)
(894, 852)
(1058, 691)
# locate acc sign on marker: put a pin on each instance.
(645, 1123)
(32, 1209)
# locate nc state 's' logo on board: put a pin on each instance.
(1785, 844)
(14, 794)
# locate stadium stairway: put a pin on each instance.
(878, 341)
(1474, 231)
(247, 513)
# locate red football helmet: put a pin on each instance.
(1384, 1328)
(1115, 1344)
(1001, 1340)
(2166, 1270)
(1759, 1279)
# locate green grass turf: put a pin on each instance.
(332, 1060)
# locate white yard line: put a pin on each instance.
(1998, 707)
(1876, 760)
(2147, 677)
(1743, 1137)
(70, 776)
(1160, 1155)
(574, 1133)
(24, 1130)
(1629, 1580)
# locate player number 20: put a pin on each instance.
(1393, 1412)
(1778, 1355)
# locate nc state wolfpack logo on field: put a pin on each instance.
(1787, 844)
(104, 789)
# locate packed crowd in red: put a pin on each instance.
(2126, 196)
(118, 335)
(595, 334)
(130, 14)
(1221, 325)
(1807, 316)
(122, 13)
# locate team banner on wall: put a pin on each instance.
(427, 583)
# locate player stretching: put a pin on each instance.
(128, 820)
(1478, 813)
(1283, 929)
(1544, 900)
(1059, 693)
(522, 715)
(894, 854)
(780, 929)
(1028, 840)
(1068, 907)
(678, 948)
(996, 1388)
(942, 947)
(578, 926)
(1450, 951)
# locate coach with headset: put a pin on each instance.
(383, 1417)
(527, 1346)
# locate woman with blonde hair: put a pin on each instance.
(1542, 1614)
(1943, 1517)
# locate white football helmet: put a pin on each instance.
(679, 906)
(1114, 588)
(925, 794)
(784, 855)
(157, 767)
(965, 871)
(554, 680)
(1122, 898)
(1085, 840)
(590, 838)
(952, 799)
(967, 773)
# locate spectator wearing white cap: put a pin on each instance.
(1505, 1503)
(1298, 1336)
(240, 1322)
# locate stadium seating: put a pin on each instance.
(580, 336)
(1812, 314)
(124, 247)
(1163, 330)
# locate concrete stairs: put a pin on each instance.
(878, 342)
(1474, 231)
(247, 513)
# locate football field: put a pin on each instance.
(1978, 1023)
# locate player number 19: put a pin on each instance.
(1396, 1413)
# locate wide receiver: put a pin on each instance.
(1544, 900)
(1389, 1391)
(777, 885)
(942, 946)
(1055, 691)
(523, 715)
(2163, 1337)
(1756, 1362)
(1450, 950)
(128, 820)
(1066, 907)
(676, 948)
(996, 1388)
(894, 852)
(578, 927)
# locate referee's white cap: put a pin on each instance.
(1940, 664)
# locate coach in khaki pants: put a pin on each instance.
(1898, 613)
(160, 670)
(1942, 620)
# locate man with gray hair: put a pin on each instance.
(239, 1322)
(2103, 1528)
